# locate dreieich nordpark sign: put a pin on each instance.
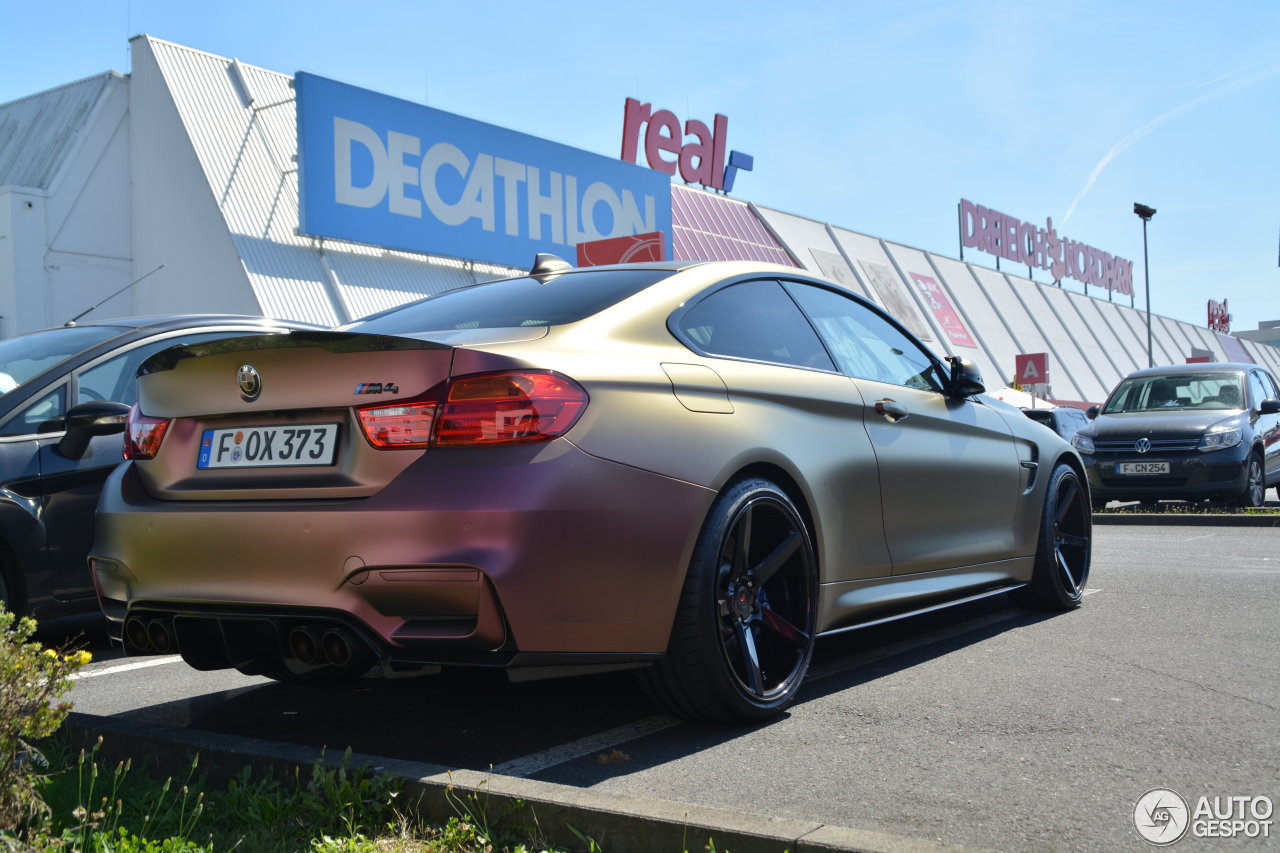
(376, 169)
(1024, 243)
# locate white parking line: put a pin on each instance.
(538, 761)
(125, 667)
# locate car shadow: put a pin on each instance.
(477, 720)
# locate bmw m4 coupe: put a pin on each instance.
(691, 469)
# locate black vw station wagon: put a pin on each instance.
(1185, 432)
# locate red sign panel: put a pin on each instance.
(1032, 368)
(934, 296)
(632, 249)
(1219, 317)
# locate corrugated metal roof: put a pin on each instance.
(38, 132)
(242, 122)
(710, 227)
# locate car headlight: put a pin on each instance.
(1082, 442)
(1221, 439)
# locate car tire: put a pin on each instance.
(4, 591)
(1065, 548)
(744, 629)
(1255, 489)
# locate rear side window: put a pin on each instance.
(754, 320)
(557, 299)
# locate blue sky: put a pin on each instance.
(877, 117)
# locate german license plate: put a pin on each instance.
(267, 447)
(1140, 469)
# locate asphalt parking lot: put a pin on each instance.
(990, 727)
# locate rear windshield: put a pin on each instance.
(1180, 391)
(560, 298)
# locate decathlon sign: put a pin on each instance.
(379, 170)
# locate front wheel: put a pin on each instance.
(745, 626)
(1254, 487)
(1066, 545)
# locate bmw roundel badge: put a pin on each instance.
(249, 381)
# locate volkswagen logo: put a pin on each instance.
(1142, 445)
(249, 381)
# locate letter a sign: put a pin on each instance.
(1032, 368)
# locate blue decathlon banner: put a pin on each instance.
(376, 169)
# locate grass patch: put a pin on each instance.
(332, 809)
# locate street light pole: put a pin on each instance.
(1145, 213)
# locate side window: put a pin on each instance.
(865, 344)
(45, 414)
(116, 378)
(754, 320)
(1257, 390)
(1268, 384)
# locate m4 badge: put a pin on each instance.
(377, 388)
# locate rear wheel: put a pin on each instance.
(744, 630)
(1066, 545)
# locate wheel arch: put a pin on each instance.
(790, 485)
(15, 579)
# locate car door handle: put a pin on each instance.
(891, 410)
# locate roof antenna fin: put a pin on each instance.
(548, 264)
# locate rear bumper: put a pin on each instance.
(502, 555)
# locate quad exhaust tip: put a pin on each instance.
(154, 636)
(304, 646)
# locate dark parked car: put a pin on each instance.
(692, 469)
(1065, 421)
(64, 397)
(1185, 432)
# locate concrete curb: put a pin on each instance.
(1188, 519)
(617, 823)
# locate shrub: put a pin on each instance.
(32, 679)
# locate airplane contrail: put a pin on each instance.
(1130, 139)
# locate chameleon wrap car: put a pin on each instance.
(694, 469)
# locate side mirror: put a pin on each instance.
(1091, 412)
(966, 379)
(90, 420)
(1269, 406)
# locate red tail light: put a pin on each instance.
(505, 408)
(142, 435)
(491, 408)
(405, 425)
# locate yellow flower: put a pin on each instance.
(51, 654)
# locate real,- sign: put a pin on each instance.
(376, 169)
(1219, 317)
(699, 151)
(998, 234)
(1032, 368)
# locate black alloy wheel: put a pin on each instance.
(1066, 544)
(744, 632)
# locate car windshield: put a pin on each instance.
(548, 300)
(24, 357)
(1181, 391)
